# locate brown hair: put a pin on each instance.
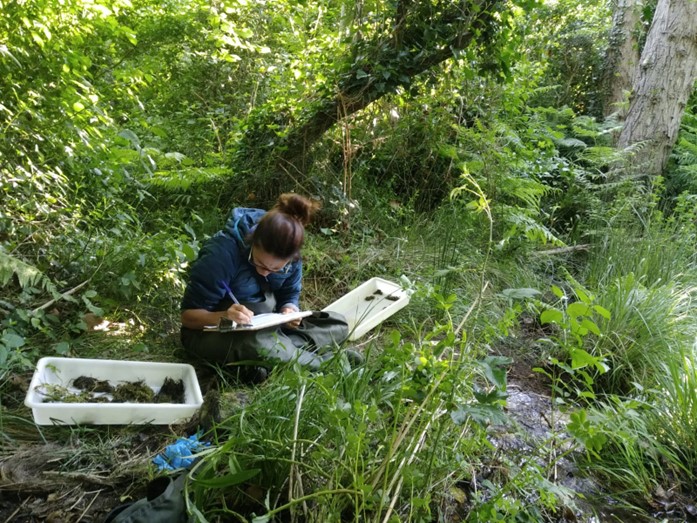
(281, 231)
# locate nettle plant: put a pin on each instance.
(572, 373)
(576, 323)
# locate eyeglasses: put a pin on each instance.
(282, 270)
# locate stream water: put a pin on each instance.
(538, 433)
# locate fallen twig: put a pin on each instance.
(88, 506)
(62, 295)
(562, 250)
(99, 480)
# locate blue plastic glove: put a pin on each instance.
(179, 455)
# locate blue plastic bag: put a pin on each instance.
(180, 454)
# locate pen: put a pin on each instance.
(235, 301)
(229, 292)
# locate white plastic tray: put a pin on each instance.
(62, 371)
(370, 304)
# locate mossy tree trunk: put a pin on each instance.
(415, 37)
(622, 54)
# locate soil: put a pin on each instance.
(89, 384)
(172, 391)
(133, 392)
(43, 483)
(92, 390)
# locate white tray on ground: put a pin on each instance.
(62, 372)
(369, 304)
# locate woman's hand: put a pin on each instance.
(239, 314)
(292, 324)
(200, 318)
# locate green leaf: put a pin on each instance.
(582, 295)
(27, 275)
(495, 369)
(92, 307)
(601, 367)
(131, 36)
(62, 348)
(175, 156)
(189, 252)
(140, 347)
(124, 156)
(572, 142)
(578, 419)
(591, 326)
(580, 359)
(482, 414)
(158, 131)
(551, 316)
(131, 137)
(12, 340)
(5, 51)
(39, 41)
(491, 397)
(578, 308)
(228, 480)
(602, 311)
(103, 10)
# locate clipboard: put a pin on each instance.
(259, 321)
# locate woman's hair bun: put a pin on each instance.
(298, 207)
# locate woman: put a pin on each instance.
(253, 266)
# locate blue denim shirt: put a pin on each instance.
(224, 258)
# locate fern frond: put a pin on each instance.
(686, 151)
(599, 156)
(572, 143)
(586, 127)
(530, 228)
(183, 179)
(527, 190)
(27, 275)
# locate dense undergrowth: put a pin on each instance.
(520, 231)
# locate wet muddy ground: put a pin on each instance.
(538, 432)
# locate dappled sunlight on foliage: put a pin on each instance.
(458, 148)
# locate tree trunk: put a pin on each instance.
(622, 55)
(421, 34)
(665, 79)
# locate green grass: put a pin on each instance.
(646, 276)
(397, 436)
(650, 438)
(644, 418)
(647, 326)
(368, 442)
